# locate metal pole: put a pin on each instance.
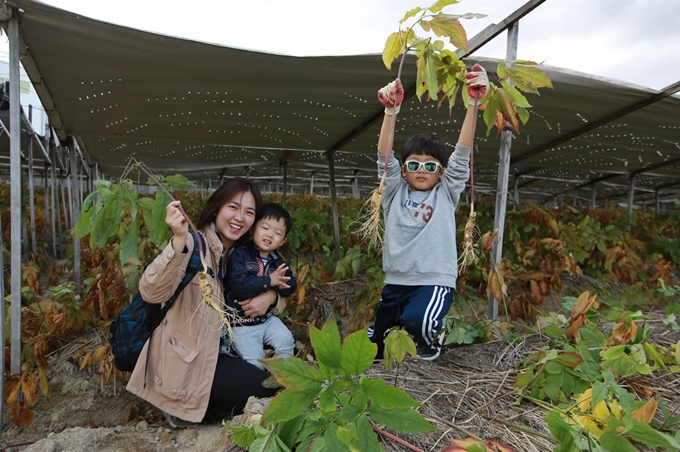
(15, 188)
(31, 189)
(285, 184)
(631, 196)
(334, 206)
(355, 184)
(56, 208)
(593, 201)
(503, 178)
(75, 211)
(656, 200)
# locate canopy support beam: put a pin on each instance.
(503, 179)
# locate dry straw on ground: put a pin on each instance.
(469, 392)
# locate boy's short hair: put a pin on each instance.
(425, 144)
(277, 212)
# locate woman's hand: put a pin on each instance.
(178, 225)
(259, 305)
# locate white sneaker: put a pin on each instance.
(176, 422)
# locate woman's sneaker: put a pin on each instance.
(176, 422)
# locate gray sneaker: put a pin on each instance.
(176, 422)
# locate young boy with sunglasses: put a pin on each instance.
(419, 202)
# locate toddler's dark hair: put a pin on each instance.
(425, 144)
(277, 212)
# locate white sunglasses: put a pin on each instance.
(413, 166)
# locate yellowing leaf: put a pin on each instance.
(449, 26)
(431, 76)
(99, 353)
(528, 79)
(394, 46)
(410, 14)
(602, 412)
(506, 108)
(583, 401)
(441, 4)
(519, 101)
(590, 424)
(646, 412)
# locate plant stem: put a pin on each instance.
(522, 428)
(397, 439)
(172, 198)
(460, 429)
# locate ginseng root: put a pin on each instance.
(226, 314)
(371, 229)
(469, 254)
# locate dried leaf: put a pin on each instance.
(13, 392)
(21, 416)
(536, 295)
(87, 361)
(646, 412)
(572, 333)
(622, 334)
(583, 303)
(44, 386)
(488, 240)
(99, 353)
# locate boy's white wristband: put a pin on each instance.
(390, 111)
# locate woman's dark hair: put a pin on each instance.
(225, 193)
(425, 144)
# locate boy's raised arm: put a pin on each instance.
(391, 96)
(477, 85)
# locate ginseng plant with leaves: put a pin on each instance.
(117, 211)
(331, 404)
(440, 75)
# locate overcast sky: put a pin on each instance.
(635, 41)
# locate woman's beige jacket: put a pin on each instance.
(179, 371)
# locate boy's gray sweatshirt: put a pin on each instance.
(420, 226)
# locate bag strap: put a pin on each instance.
(195, 265)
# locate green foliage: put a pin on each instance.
(440, 72)
(592, 409)
(398, 344)
(458, 331)
(112, 212)
(331, 405)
